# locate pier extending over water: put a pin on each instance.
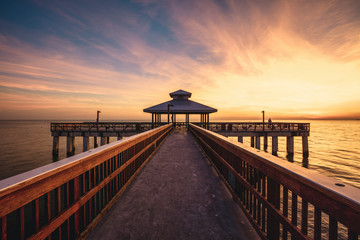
(255, 130)
(68, 198)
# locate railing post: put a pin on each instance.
(273, 226)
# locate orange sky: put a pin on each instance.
(294, 59)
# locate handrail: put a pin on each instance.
(269, 189)
(70, 196)
(256, 126)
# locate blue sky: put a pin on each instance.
(67, 59)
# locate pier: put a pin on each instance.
(69, 199)
(177, 180)
(181, 105)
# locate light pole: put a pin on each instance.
(263, 113)
(97, 116)
(169, 105)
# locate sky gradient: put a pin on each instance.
(66, 59)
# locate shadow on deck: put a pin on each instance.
(178, 195)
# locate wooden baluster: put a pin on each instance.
(37, 221)
(83, 193)
(352, 235)
(317, 224)
(273, 196)
(294, 209)
(285, 210)
(22, 222)
(304, 216)
(67, 206)
(263, 183)
(59, 208)
(4, 227)
(48, 205)
(76, 198)
(333, 228)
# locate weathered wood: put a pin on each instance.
(273, 226)
(305, 146)
(257, 142)
(4, 228)
(55, 151)
(341, 203)
(274, 146)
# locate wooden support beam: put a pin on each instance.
(86, 143)
(274, 145)
(257, 142)
(290, 146)
(252, 143)
(70, 146)
(240, 139)
(95, 142)
(305, 146)
(55, 151)
(265, 143)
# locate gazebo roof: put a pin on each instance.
(180, 105)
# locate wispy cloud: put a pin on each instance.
(280, 55)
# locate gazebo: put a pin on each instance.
(180, 105)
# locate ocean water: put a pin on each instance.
(334, 148)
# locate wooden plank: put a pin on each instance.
(73, 209)
(304, 216)
(37, 221)
(285, 210)
(341, 203)
(4, 228)
(22, 223)
(270, 207)
(333, 228)
(317, 224)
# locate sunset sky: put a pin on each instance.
(66, 59)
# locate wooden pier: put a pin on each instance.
(264, 130)
(67, 199)
(254, 130)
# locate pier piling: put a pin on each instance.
(257, 142)
(274, 140)
(86, 143)
(265, 143)
(95, 142)
(305, 146)
(252, 141)
(240, 139)
(290, 146)
(70, 146)
(55, 151)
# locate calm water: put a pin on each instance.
(334, 148)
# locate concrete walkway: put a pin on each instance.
(178, 195)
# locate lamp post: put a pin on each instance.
(97, 116)
(168, 112)
(263, 113)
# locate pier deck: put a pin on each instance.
(177, 196)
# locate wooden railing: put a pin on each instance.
(256, 126)
(103, 126)
(66, 199)
(280, 199)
